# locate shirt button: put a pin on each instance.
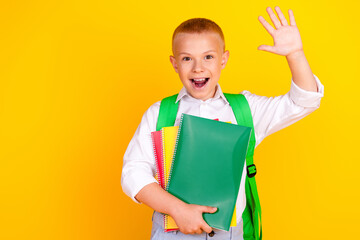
(211, 234)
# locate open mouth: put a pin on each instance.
(199, 82)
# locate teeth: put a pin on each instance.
(199, 79)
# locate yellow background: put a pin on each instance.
(76, 77)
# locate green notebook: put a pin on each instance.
(207, 166)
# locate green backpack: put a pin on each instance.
(252, 225)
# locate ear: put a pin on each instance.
(173, 62)
(224, 59)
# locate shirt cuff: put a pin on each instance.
(306, 98)
(135, 182)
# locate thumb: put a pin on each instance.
(266, 48)
(208, 209)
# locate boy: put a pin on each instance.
(198, 57)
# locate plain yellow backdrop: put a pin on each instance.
(77, 76)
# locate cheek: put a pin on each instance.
(185, 66)
(183, 74)
(184, 69)
(216, 71)
(214, 66)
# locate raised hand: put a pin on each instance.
(286, 37)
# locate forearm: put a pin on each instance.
(158, 199)
(188, 217)
(301, 71)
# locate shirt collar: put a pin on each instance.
(218, 94)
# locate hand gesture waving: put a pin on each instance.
(286, 37)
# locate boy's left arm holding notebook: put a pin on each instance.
(188, 217)
(138, 182)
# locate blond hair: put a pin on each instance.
(198, 25)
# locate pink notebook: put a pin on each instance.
(159, 159)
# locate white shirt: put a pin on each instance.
(270, 114)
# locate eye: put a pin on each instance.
(209, 57)
(186, 58)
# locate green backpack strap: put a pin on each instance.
(252, 212)
(167, 112)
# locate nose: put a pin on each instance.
(198, 66)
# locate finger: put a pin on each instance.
(281, 16)
(206, 228)
(292, 18)
(273, 17)
(208, 209)
(266, 25)
(267, 48)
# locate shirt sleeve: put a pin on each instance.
(271, 114)
(139, 162)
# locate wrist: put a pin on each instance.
(177, 208)
(295, 55)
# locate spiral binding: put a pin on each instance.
(164, 156)
(165, 222)
(165, 217)
(175, 149)
(156, 159)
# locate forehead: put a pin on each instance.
(197, 42)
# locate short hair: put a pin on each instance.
(198, 25)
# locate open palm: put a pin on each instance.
(286, 37)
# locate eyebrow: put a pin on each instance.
(203, 52)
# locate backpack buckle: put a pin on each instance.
(251, 170)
